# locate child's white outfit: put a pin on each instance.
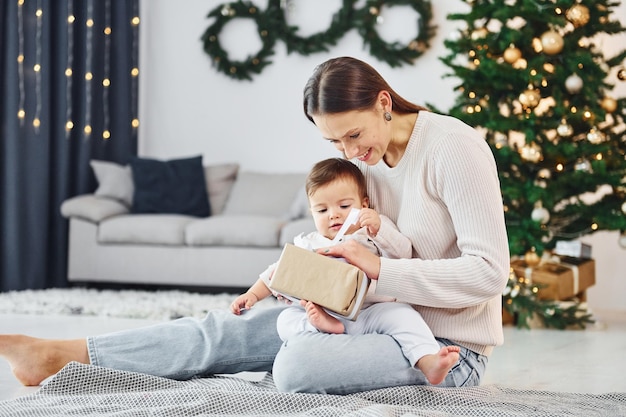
(380, 314)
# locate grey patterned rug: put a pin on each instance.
(83, 390)
(155, 305)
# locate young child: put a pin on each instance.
(334, 187)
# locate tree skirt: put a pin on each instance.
(155, 305)
(93, 391)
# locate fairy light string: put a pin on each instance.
(80, 113)
(69, 125)
(106, 81)
(37, 66)
(135, 66)
(21, 112)
(89, 24)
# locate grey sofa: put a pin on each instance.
(253, 215)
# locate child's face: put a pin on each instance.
(331, 204)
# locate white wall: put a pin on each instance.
(188, 108)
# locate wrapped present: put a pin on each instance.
(335, 285)
(573, 248)
(558, 278)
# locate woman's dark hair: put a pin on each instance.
(345, 84)
(329, 170)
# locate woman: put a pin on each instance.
(434, 176)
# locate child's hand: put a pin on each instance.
(370, 219)
(243, 302)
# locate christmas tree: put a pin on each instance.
(535, 80)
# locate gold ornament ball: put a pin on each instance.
(512, 54)
(552, 42)
(578, 15)
(530, 98)
(621, 74)
(531, 258)
(624, 208)
(609, 104)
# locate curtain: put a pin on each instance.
(68, 94)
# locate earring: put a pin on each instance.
(387, 116)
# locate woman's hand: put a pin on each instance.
(355, 254)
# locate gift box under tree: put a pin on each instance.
(559, 278)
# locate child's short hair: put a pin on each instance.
(332, 169)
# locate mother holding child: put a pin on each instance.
(434, 177)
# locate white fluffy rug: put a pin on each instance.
(156, 305)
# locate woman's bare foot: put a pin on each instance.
(33, 360)
(323, 321)
(436, 366)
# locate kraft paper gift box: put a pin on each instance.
(560, 280)
(329, 282)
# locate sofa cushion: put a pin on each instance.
(292, 229)
(299, 206)
(176, 186)
(264, 194)
(91, 207)
(219, 181)
(235, 230)
(114, 181)
(152, 229)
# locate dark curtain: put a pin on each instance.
(72, 98)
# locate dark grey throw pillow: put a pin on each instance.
(176, 186)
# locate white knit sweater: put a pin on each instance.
(444, 195)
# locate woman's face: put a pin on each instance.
(358, 134)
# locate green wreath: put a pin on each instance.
(395, 54)
(318, 42)
(267, 33)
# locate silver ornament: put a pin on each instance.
(540, 215)
(595, 137)
(582, 165)
(574, 83)
(564, 129)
